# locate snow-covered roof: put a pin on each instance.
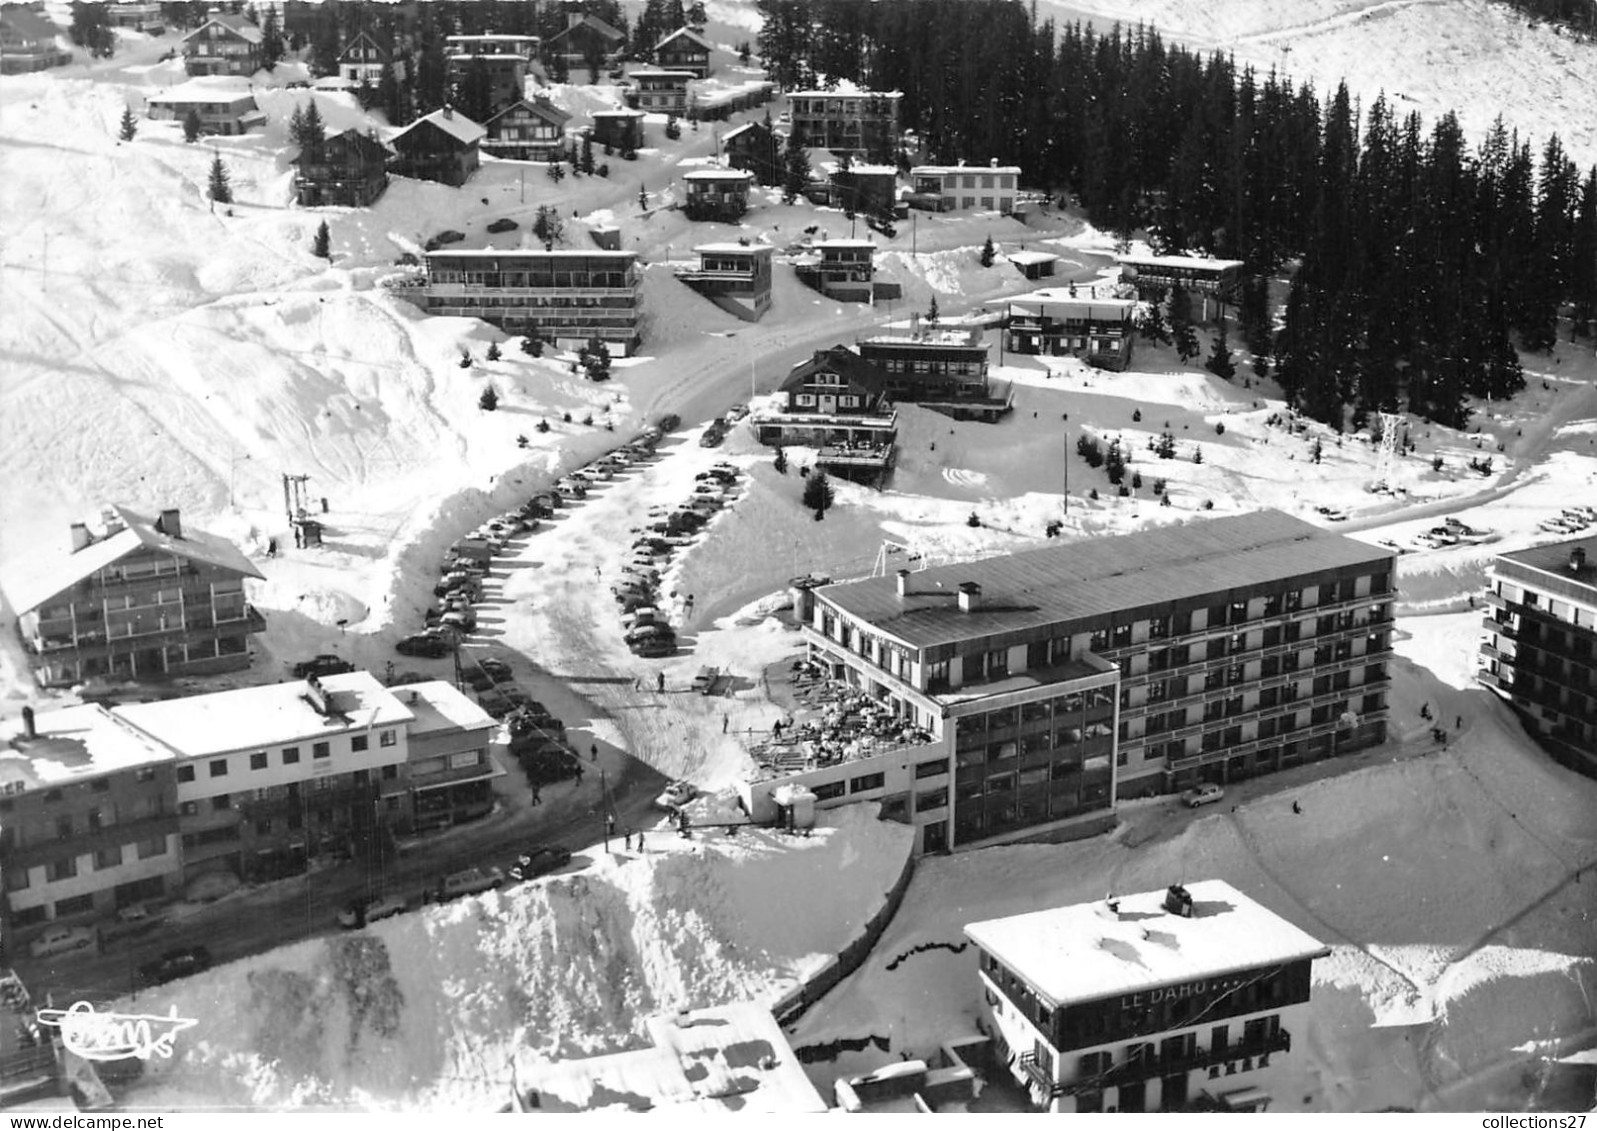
(660, 73)
(728, 1058)
(843, 243)
(622, 113)
(535, 253)
(452, 122)
(74, 742)
(239, 25)
(684, 33)
(1032, 257)
(205, 89)
(119, 532)
(268, 715)
(847, 90)
(545, 109)
(492, 39)
(867, 170)
(718, 175)
(944, 170)
(1088, 951)
(594, 23)
(730, 248)
(1172, 261)
(736, 130)
(437, 705)
(1083, 303)
(28, 23)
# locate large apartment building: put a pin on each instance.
(566, 296)
(134, 597)
(858, 122)
(1161, 1001)
(1055, 681)
(1540, 649)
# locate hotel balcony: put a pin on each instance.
(1146, 1068)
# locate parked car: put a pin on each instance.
(176, 964)
(655, 647)
(324, 664)
(539, 860)
(462, 581)
(495, 704)
(61, 940)
(636, 618)
(676, 795)
(1206, 794)
(737, 412)
(713, 435)
(360, 912)
(470, 882)
(704, 682)
(503, 224)
(495, 667)
(461, 620)
(648, 632)
(670, 422)
(432, 644)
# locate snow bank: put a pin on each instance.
(425, 1011)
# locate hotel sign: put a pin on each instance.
(1205, 988)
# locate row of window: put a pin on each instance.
(1042, 712)
(66, 867)
(289, 755)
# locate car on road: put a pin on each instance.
(539, 860)
(495, 667)
(360, 912)
(1206, 794)
(61, 940)
(324, 664)
(714, 434)
(432, 644)
(645, 633)
(174, 964)
(737, 411)
(655, 647)
(470, 881)
(462, 620)
(676, 795)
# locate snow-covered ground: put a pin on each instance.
(158, 353)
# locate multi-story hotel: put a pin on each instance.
(1540, 651)
(567, 296)
(941, 367)
(860, 121)
(1162, 1001)
(88, 816)
(1050, 683)
(734, 276)
(947, 188)
(134, 597)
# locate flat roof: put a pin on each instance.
(264, 716)
(847, 94)
(1098, 576)
(438, 705)
(727, 1058)
(534, 253)
(939, 170)
(1032, 257)
(1087, 951)
(843, 243)
(1554, 558)
(718, 175)
(661, 72)
(734, 248)
(1178, 261)
(932, 335)
(72, 743)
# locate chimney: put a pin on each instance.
(80, 536)
(1577, 559)
(969, 596)
(1178, 901)
(28, 729)
(573, 19)
(993, 164)
(169, 523)
(316, 695)
(903, 583)
(449, 111)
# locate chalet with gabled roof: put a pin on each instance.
(684, 50)
(619, 129)
(134, 596)
(349, 169)
(223, 45)
(1059, 321)
(363, 60)
(586, 37)
(529, 129)
(442, 146)
(836, 401)
(756, 147)
(29, 41)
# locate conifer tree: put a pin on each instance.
(220, 189)
(489, 401)
(987, 252)
(494, 353)
(390, 96)
(818, 494)
(796, 172)
(931, 311)
(321, 245)
(129, 126)
(1181, 331)
(324, 50)
(1219, 362)
(315, 128)
(532, 345)
(585, 163)
(191, 126)
(296, 126)
(272, 49)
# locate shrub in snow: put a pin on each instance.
(566, 417)
(532, 345)
(1158, 486)
(1219, 428)
(1208, 504)
(1125, 492)
(1053, 528)
(543, 426)
(1197, 455)
(1093, 494)
(493, 351)
(1436, 464)
(465, 360)
(489, 400)
(1136, 416)
(1165, 501)
(321, 245)
(973, 520)
(781, 461)
(588, 420)
(130, 127)
(1136, 480)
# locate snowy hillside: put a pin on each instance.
(1475, 57)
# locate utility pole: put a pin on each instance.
(604, 806)
(1067, 473)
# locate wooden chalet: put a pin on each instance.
(837, 402)
(223, 45)
(442, 146)
(1211, 278)
(717, 194)
(506, 60)
(585, 38)
(363, 59)
(660, 92)
(29, 41)
(754, 146)
(839, 269)
(939, 367)
(619, 129)
(529, 129)
(684, 50)
(145, 16)
(1061, 322)
(349, 169)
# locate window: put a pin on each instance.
(145, 774)
(932, 799)
(930, 769)
(829, 790)
(258, 761)
(76, 905)
(155, 846)
(1158, 627)
(63, 869)
(359, 742)
(108, 858)
(866, 781)
(290, 755)
(390, 772)
(188, 809)
(185, 773)
(219, 768)
(1121, 636)
(321, 750)
(17, 879)
(63, 828)
(101, 785)
(387, 738)
(221, 801)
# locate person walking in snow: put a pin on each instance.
(626, 840)
(640, 840)
(1297, 808)
(537, 798)
(1458, 723)
(593, 752)
(579, 773)
(659, 682)
(1425, 710)
(725, 722)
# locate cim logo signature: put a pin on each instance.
(115, 1036)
